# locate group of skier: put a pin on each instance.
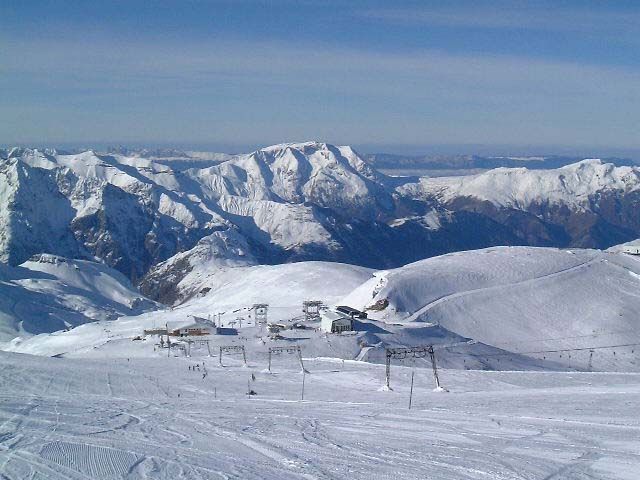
(196, 367)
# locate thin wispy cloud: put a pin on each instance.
(72, 63)
(508, 16)
(371, 74)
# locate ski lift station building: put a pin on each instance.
(192, 326)
(632, 249)
(335, 322)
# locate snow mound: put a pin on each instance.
(410, 288)
(632, 247)
(547, 303)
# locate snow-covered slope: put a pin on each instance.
(502, 308)
(230, 292)
(50, 293)
(229, 301)
(284, 287)
(233, 291)
(157, 418)
(632, 247)
(552, 304)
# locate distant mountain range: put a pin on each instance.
(428, 164)
(159, 216)
(453, 163)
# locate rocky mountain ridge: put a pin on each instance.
(159, 223)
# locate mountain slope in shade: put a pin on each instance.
(124, 211)
(588, 204)
(133, 212)
(49, 293)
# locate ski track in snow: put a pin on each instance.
(60, 419)
(530, 281)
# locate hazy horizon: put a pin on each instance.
(401, 150)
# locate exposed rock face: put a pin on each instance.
(184, 274)
(160, 225)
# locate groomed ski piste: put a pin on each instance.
(537, 352)
(155, 418)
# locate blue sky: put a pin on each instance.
(498, 77)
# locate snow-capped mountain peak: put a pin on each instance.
(573, 184)
(293, 201)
